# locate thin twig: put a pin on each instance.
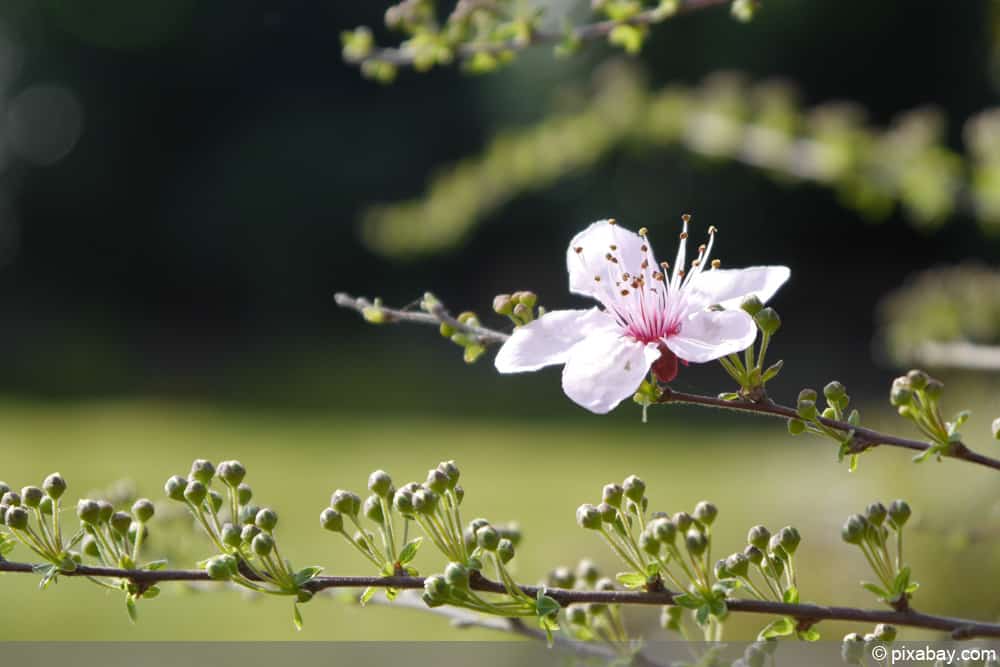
(811, 613)
(864, 438)
(585, 33)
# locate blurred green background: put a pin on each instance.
(181, 190)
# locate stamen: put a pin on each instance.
(624, 292)
(712, 229)
(684, 236)
(716, 263)
(612, 221)
(686, 218)
(597, 279)
(578, 249)
(613, 247)
(642, 232)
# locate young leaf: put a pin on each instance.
(631, 579)
(546, 606)
(133, 614)
(367, 595)
(791, 595)
(779, 628)
(810, 635)
(877, 590)
(687, 601)
(704, 611)
(306, 574)
(409, 551)
(155, 565)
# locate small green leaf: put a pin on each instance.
(297, 617)
(391, 594)
(133, 614)
(368, 594)
(631, 579)
(306, 574)
(779, 628)
(546, 606)
(810, 635)
(151, 592)
(409, 551)
(719, 608)
(902, 580)
(912, 587)
(877, 590)
(702, 614)
(791, 595)
(155, 565)
(688, 601)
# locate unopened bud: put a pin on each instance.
(88, 511)
(758, 536)
(854, 529)
(195, 492)
(505, 550)
(899, 513)
(202, 470)
(789, 539)
(232, 473)
(612, 494)
(457, 575)
(266, 519)
(588, 517)
(752, 305)
(16, 518)
(120, 522)
(682, 521)
(54, 486)
(231, 536)
(768, 320)
(380, 484)
(706, 512)
(262, 544)
(31, 496)
(875, 513)
(373, 509)
(143, 509)
(503, 304)
(244, 494)
(332, 520)
(488, 538)
(696, 542)
(346, 502)
(634, 488)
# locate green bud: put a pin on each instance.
(604, 584)
(649, 543)
(120, 522)
(588, 517)
(834, 391)
(696, 542)
(933, 389)
(854, 529)
(758, 537)
(459, 493)
(768, 320)
(403, 502)
(248, 514)
(457, 575)
(899, 513)
(884, 632)
(753, 554)
(450, 469)
(807, 395)
(608, 513)
(996, 428)
(446, 330)
(738, 564)
(143, 509)
(796, 426)
(232, 473)
(488, 538)
(105, 510)
(634, 488)
(89, 546)
(203, 471)
(54, 485)
(425, 501)
(31, 496)
(346, 502)
(88, 511)
(505, 550)
(263, 544)
(215, 500)
(587, 572)
(380, 484)
(437, 481)
(195, 492)
(789, 539)
(875, 513)
(721, 570)
(249, 532)
(612, 495)
(775, 549)
(682, 521)
(435, 589)
(266, 519)
(576, 615)
(706, 512)
(332, 520)
(752, 305)
(244, 494)
(231, 536)
(561, 577)
(47, 506)
(468, 317)
(16, 518)
(807, 410)
(11, 498)
(221, 568)
(901, 393)
(917, 379)
(503, 304)
(664, 530)
(373, 509)
(852, 650)
(525, 298)
(174, 487)
(523, 313)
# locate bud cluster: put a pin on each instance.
(471, 344)
(519, 307)
(749, 371)
(32, 517)
(915, 396)
(855, 648)
(242, 532)
(810, 418)
(878, 532)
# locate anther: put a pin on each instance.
(612, 221)
(686, 217)
(613, 247)
(712, 229)
(578, 249)
(716, 263)
(624, 292)
(642, 232)
(684, 236)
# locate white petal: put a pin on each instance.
(728, 287)
(548, 340)
(606, 368)
(710, 334)
(587, 258)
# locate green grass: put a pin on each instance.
(536, 473)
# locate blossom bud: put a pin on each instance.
(854, 529)
(752, 305)
(232, 473)
(608, 513)
(266, 519)
(576, 615)
(774, 548)
(768, 320)
(88, 511)
(875, 513)
(834, 391)
(604, 584)
(634, 488)
(706, 512)
(249, 532)
(587, 516)
(696, 542)
(738, 564)
(174, 487)
(884, 632)
(120, 522)
(436, 588)
(215, 500)
(457, 575)
(789, 539)
(683, 521)
(649, 543)
(332, 520)
(248, 514)
(346, 502)
(587, 572)
(11, 499)
(105, 510)
(721, 570)
(807, 395)
(16, 518)
(143, 509)
(231, 536)
(899, 513)
(505, 550)
(753, 554)
(437, 481)
(525, 298)
(203, 471)
(380, 484)
(403, 502)
(503, 304)
(917, 379)
(901, 393)
(47, 506)
(511, 531)
(195, 492)
(54, 486)
(807, 410)
(664, 530)
(612, 495)
(758, 537)
(31, 496)
(933, 389)
(221, 568)
(425, 501)
(459, 493)
(244, 494)
(262, 544)
(89, 546)
(373, 509)
(561, 577)
(488, 538)
(852, 650)
(796, 426)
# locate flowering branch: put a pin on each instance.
(959, 628)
